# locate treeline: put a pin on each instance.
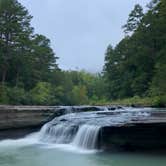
(136, 66)
(29, 73)
(63, 88)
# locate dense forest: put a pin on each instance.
(134, 68)
(29, 73)
(137, 65)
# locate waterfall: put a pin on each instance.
(81, 130)
(83, 136)
(60, 133)
(87, 137)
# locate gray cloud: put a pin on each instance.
(80, 30)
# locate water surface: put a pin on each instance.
(39, 155)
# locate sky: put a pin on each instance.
(81, 30)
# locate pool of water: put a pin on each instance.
(27, 152)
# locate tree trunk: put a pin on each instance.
(17, 78)
(4, 73)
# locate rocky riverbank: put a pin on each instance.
(120, 127)
(24, 116)
(12, 117)
(140, 133)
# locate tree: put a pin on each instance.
(41, 93)
(39, 62)
(14, 31)
(79, 95)
(137, 64)
(134, 19)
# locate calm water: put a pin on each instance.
(26, 152)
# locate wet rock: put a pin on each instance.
(112, 108)
(63, 120)
(85, 108)
(30, 116)
(134, 137)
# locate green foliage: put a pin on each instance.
(155, 101)
(13, 95)
(137, 65)
(25, 57)
(17, 95)
(45, 93)
(160, 101)
(41, 93)
(134, 69)
(15, 32)
(3, 94)
(79, 95)
(134, 19)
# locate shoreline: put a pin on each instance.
(154, 102)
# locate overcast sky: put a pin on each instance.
(80, 30)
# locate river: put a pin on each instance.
(38, 155)
(71, 140)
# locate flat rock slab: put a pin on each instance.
(24, 116)
(29, 116)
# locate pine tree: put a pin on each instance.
(15, 31)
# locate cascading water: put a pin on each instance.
(87, 137)
(83, 136)
(78, 131)
(82, 129)
(59, 133)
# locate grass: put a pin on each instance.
(157, 101)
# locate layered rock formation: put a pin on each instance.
(24, 116)
(31, 116)
(126, 128)
(138, 133)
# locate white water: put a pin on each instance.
(26, 141)
(66, 136)
(87, 137)
(84, 140)
(58, 134)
